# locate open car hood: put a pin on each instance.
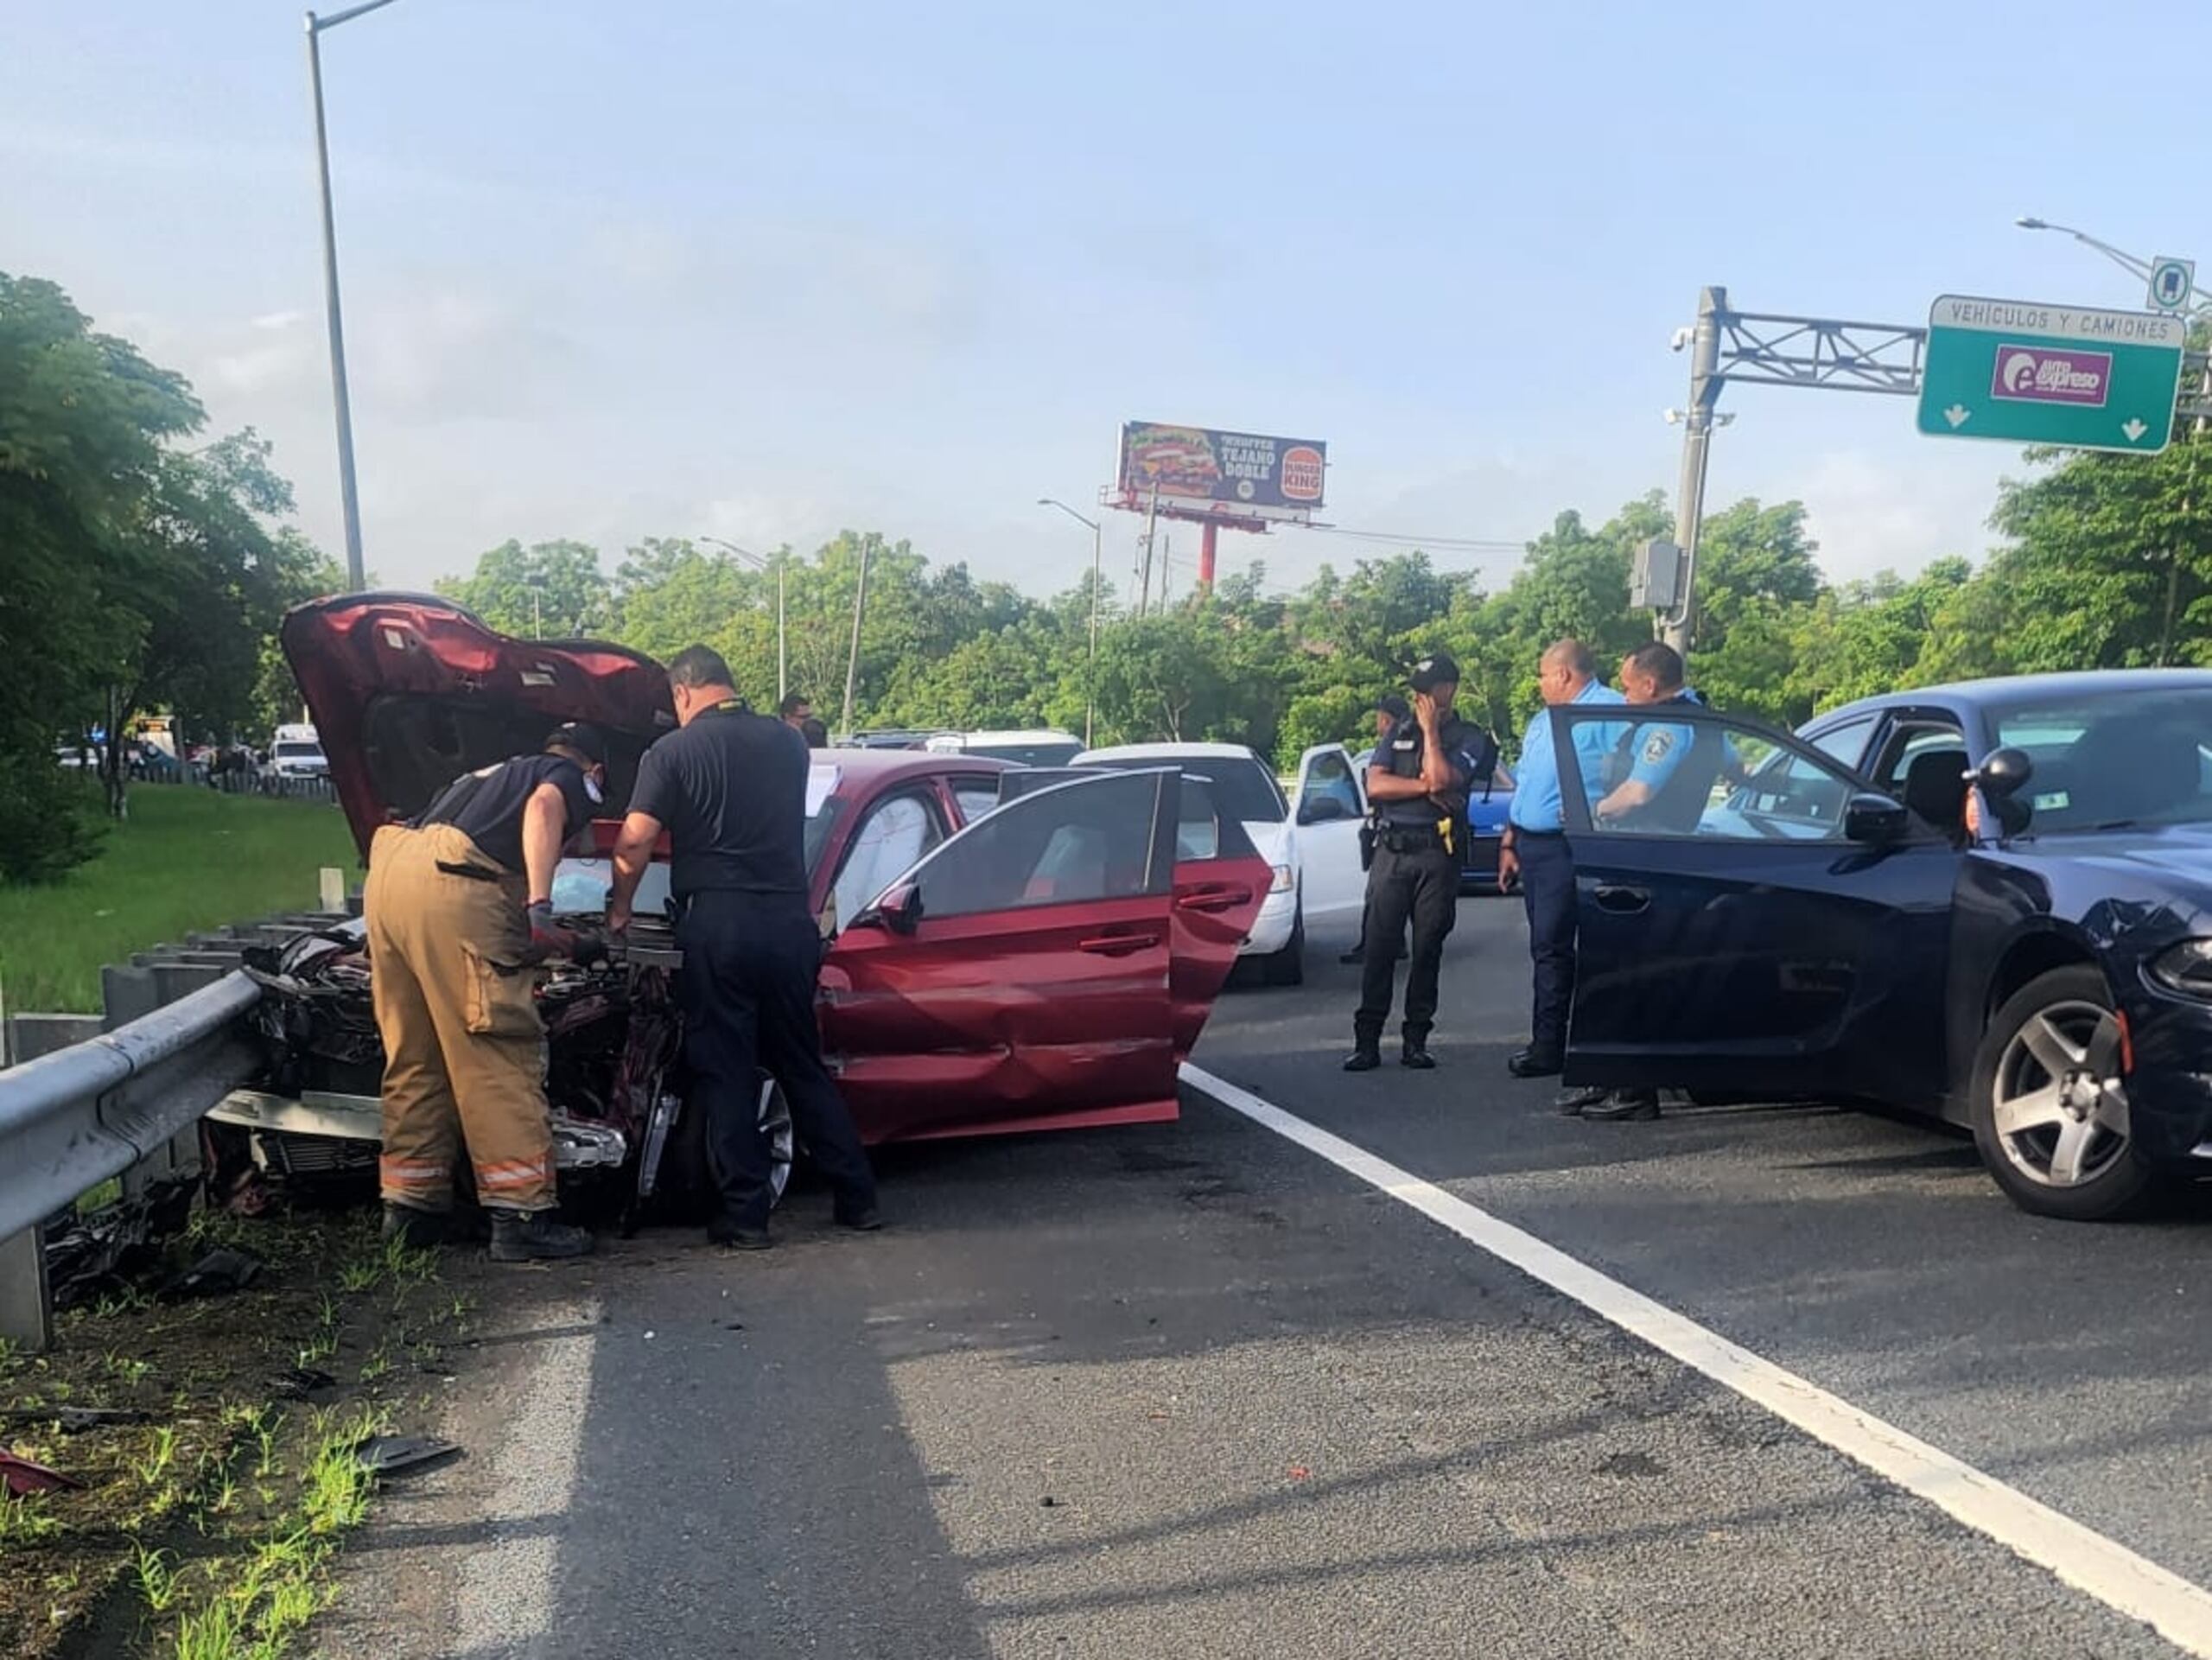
(410, 691)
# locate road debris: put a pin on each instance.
(219, 1272)
(391, 1455)
(20, 1476)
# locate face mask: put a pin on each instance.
(592, 789)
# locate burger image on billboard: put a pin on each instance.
(1300, 479)
(1174, 461)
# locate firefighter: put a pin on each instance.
(459, 909)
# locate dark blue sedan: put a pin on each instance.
(1990, 902)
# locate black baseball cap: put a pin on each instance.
(587, 741)
(1434, 670)
(1391, 704)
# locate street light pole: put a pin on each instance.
(349, 493)
(779, 564)
(2199, 312)
(1097, 581)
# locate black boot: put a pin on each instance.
(535, 1236)
(1532, 1062)
(1365, 1057)
(1415, 1055)
(415, 1228)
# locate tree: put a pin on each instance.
(553, 586)
(83, 418)
(2110, 561)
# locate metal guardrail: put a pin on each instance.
(92, 1105)
(73, 1119)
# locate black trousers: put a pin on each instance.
(1548, 890)
(1425, 887)
(747, 991)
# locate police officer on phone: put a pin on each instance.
(1418, 780)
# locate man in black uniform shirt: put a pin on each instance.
(730, 789)
(1417, 783)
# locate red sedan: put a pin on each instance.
(1045, 963)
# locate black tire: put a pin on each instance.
(2113, 1181)
(1287, 966)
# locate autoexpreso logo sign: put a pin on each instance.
(2042, 374)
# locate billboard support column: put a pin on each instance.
(1206, 555)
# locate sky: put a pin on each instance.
(763, 270)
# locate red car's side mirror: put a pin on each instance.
(899, 910)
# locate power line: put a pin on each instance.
(1408, 539)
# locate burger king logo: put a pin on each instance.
(1300, 477)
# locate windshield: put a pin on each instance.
(1245, 791)
(299, 752)
(2118, 760)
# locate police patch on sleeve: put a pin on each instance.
(1656, 745)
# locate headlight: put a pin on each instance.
(2186, 968)
(1282, 883)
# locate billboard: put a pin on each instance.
(1236, 469)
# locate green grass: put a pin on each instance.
(186, 859)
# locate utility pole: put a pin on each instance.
(853, 657)
(1697, 443)
(1151, 523)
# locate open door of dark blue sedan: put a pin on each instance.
(1752, 918)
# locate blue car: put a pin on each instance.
(1486, 818)
(1991, 902)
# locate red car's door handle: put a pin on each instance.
(1623, 901)
(1215, 898)
(1117, 945)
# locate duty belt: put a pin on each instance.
(1411, 838)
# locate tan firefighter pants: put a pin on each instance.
(464, 1051)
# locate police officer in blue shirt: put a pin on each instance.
(1418, 782)
(1661, 781)
(1663, 771)
(1533, 852)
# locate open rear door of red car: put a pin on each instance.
(1221, 881)
(1017, 977)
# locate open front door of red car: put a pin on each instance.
(1018, 977)
(1221, 881)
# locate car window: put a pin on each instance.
(1330, 777)
(1245, 789)
(1719, 778)
(896, 831)
(1077, 842)
(976, 796)
(2134, 758)
(1845, 743)
(1906, 745)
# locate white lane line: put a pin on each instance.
(2179, 1610)
(508, 1590)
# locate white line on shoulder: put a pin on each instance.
(2179, 1610)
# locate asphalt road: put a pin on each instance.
(1192, 1390)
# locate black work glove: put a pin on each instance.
(547, 936)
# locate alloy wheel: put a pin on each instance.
(2059, 1102)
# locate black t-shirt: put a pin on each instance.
(1471, 752)
(730, 789)
(486, 806)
